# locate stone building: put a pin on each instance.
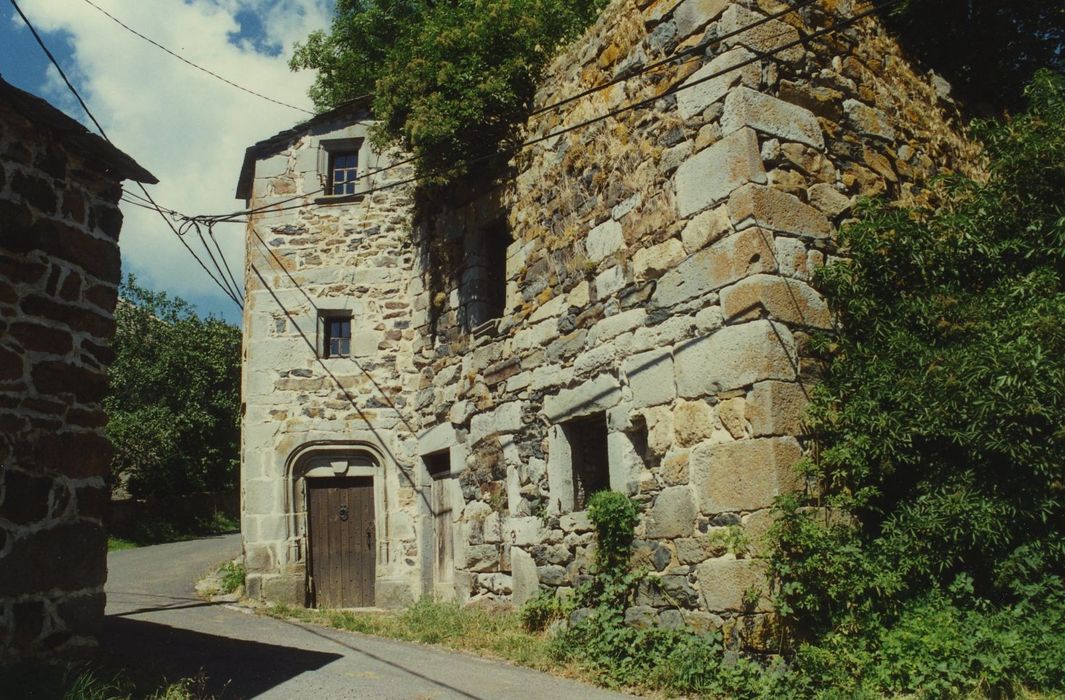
(59, 275)
(432, 391)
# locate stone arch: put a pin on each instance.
(329, 458)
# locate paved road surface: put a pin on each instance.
(155, 621)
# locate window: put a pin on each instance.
(343, 169)
(334, 330)
(588, 457)
(484, 281)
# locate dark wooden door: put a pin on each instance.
(343, 541)
(443, 561)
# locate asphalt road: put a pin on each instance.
(155, 622)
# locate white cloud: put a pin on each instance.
(189, 129)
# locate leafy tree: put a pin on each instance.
(174, 403)
(988, 49)
(449, 79)
(941, 428)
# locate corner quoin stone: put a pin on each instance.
(783, 299)
(713, 173)
(747, 107)
(776, 211)
(744, 475)
(734, 357)
(743, 253)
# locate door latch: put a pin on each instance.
(343, 513)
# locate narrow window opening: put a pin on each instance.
(335, 334)
(589, 457)
(484, 280)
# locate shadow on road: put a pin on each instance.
(234, 668)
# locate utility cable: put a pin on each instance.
(194, 65)
(678, 58)
(672, 59)
(677, 87)
(103, 133)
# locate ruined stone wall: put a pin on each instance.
(356, 257)
(660, 275)
(59, 270)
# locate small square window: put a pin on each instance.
(343, 172)
(589, 457)
(335, 334)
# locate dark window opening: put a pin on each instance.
(335, 334)
(485, 275)
(588, 455)
(438, 464)
(343, 172)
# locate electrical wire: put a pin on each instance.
(683, 57)
(689, 52)
(677, 87)
(103, 133)
(194, 65)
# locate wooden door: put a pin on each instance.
(343, 541)
(443, 564)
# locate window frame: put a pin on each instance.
(350, 182)
(331, 149)
(327, 317)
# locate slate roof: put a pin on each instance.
(71, 134)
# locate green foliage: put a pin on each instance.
(933, 561)
(450, 80)
(233, 575)
(538, 613)
(614, 517)
(174, 404)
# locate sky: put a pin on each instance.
(187, 128)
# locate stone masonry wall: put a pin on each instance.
(658, 280)
(59, 270)
(356, 257)
(660, 274)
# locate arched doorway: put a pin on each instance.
(337, 494)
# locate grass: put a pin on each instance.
(57, 681)
(488, 632)
(117, 544)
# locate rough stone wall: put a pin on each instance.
(356, 257)
(59, 270)
(660, 274)
(658, 279)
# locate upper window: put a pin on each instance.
(343, 170)
(335, 332)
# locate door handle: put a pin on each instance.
(343, 513)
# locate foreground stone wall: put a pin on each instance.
(657, 283)
(59, 270)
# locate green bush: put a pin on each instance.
(174, 402)
(934, 552)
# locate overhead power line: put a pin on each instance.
(103, 133)
(683, 57)
(198, 67)
(672, 90)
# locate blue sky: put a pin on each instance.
(189, 129)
